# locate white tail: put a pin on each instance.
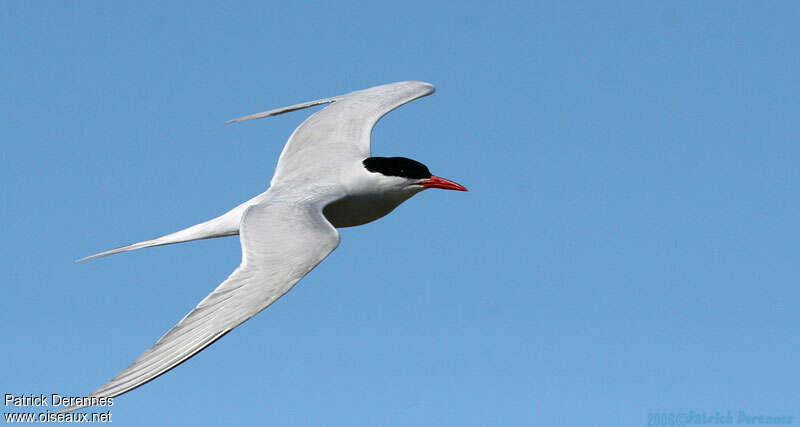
(226, 224)
(276, 111)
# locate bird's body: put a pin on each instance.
(359, 209)
(365, 200)
(325, 179)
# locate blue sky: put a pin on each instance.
(629, 244)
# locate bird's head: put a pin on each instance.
(400, 173)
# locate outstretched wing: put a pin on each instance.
(339, 133)
(281, 242)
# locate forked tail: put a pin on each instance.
(223, 225)
(276, 111)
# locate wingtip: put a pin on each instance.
(429, 86)
(72, 408)
(424, 84)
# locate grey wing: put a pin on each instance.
(339, 133)
(281, 243)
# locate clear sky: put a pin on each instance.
(629, 244)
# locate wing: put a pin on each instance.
(340, 132)
(282, 240)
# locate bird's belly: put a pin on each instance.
(357, 210)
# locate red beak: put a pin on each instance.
(437, 182)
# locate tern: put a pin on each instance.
(325, 179)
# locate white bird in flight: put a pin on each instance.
(325, 179)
